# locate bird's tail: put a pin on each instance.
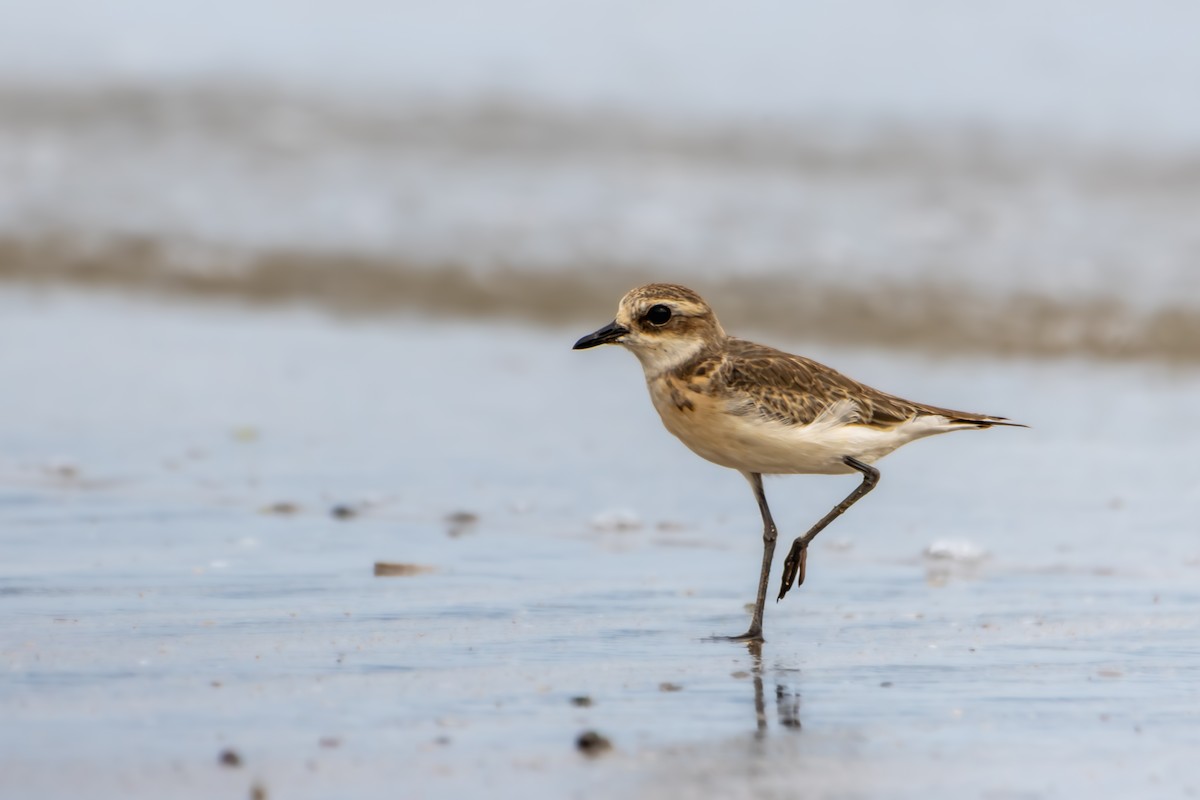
(967, 419)
(980, 420)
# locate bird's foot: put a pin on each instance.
(752, 635)
(793, 568)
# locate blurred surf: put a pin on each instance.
(947, 240)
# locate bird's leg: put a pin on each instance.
(769, 535)
(793, 567)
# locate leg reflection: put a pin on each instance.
(787, 700)
(787, 705)
(760, 705)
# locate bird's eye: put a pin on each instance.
(658, 315)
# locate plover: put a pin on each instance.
(762, 411)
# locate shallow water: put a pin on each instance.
(161, 606)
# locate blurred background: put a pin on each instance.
(1021, 178)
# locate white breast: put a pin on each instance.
(750, 443)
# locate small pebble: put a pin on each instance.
(583, 701)
(258, 792)
(669, 687)
(282, 507)
(592, 743)
(65, 470)
(343, 511)
(395, 569)
(229, 758)
(460, 522)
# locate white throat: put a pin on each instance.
(665, 355)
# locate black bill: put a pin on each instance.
(606, 335)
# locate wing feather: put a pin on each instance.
(796, 390)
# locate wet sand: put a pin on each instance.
(178, 583)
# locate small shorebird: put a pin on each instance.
(761, 411)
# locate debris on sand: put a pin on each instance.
(62, 469)
(258, 792)
(396, 569)
(460, 522)
(959, 550)
(591, 743)
(617, 519)
(582, 701)
(229, 758)
(667, 686)
(343, 511)
(283, 508)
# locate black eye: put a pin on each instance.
(658, 315)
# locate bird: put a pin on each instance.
(762, 411)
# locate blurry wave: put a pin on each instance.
(934, 317)
(947, 238)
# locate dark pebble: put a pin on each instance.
(343, 512)
(592, 744)
(229, 758)
(583, 701)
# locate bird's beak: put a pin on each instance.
(610, 333)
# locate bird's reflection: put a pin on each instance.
(787, 700)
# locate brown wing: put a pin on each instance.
(796, 390)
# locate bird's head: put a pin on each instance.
(664, 325)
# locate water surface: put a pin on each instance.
(159, 607)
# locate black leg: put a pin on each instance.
(793, 567)
(769, 535)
